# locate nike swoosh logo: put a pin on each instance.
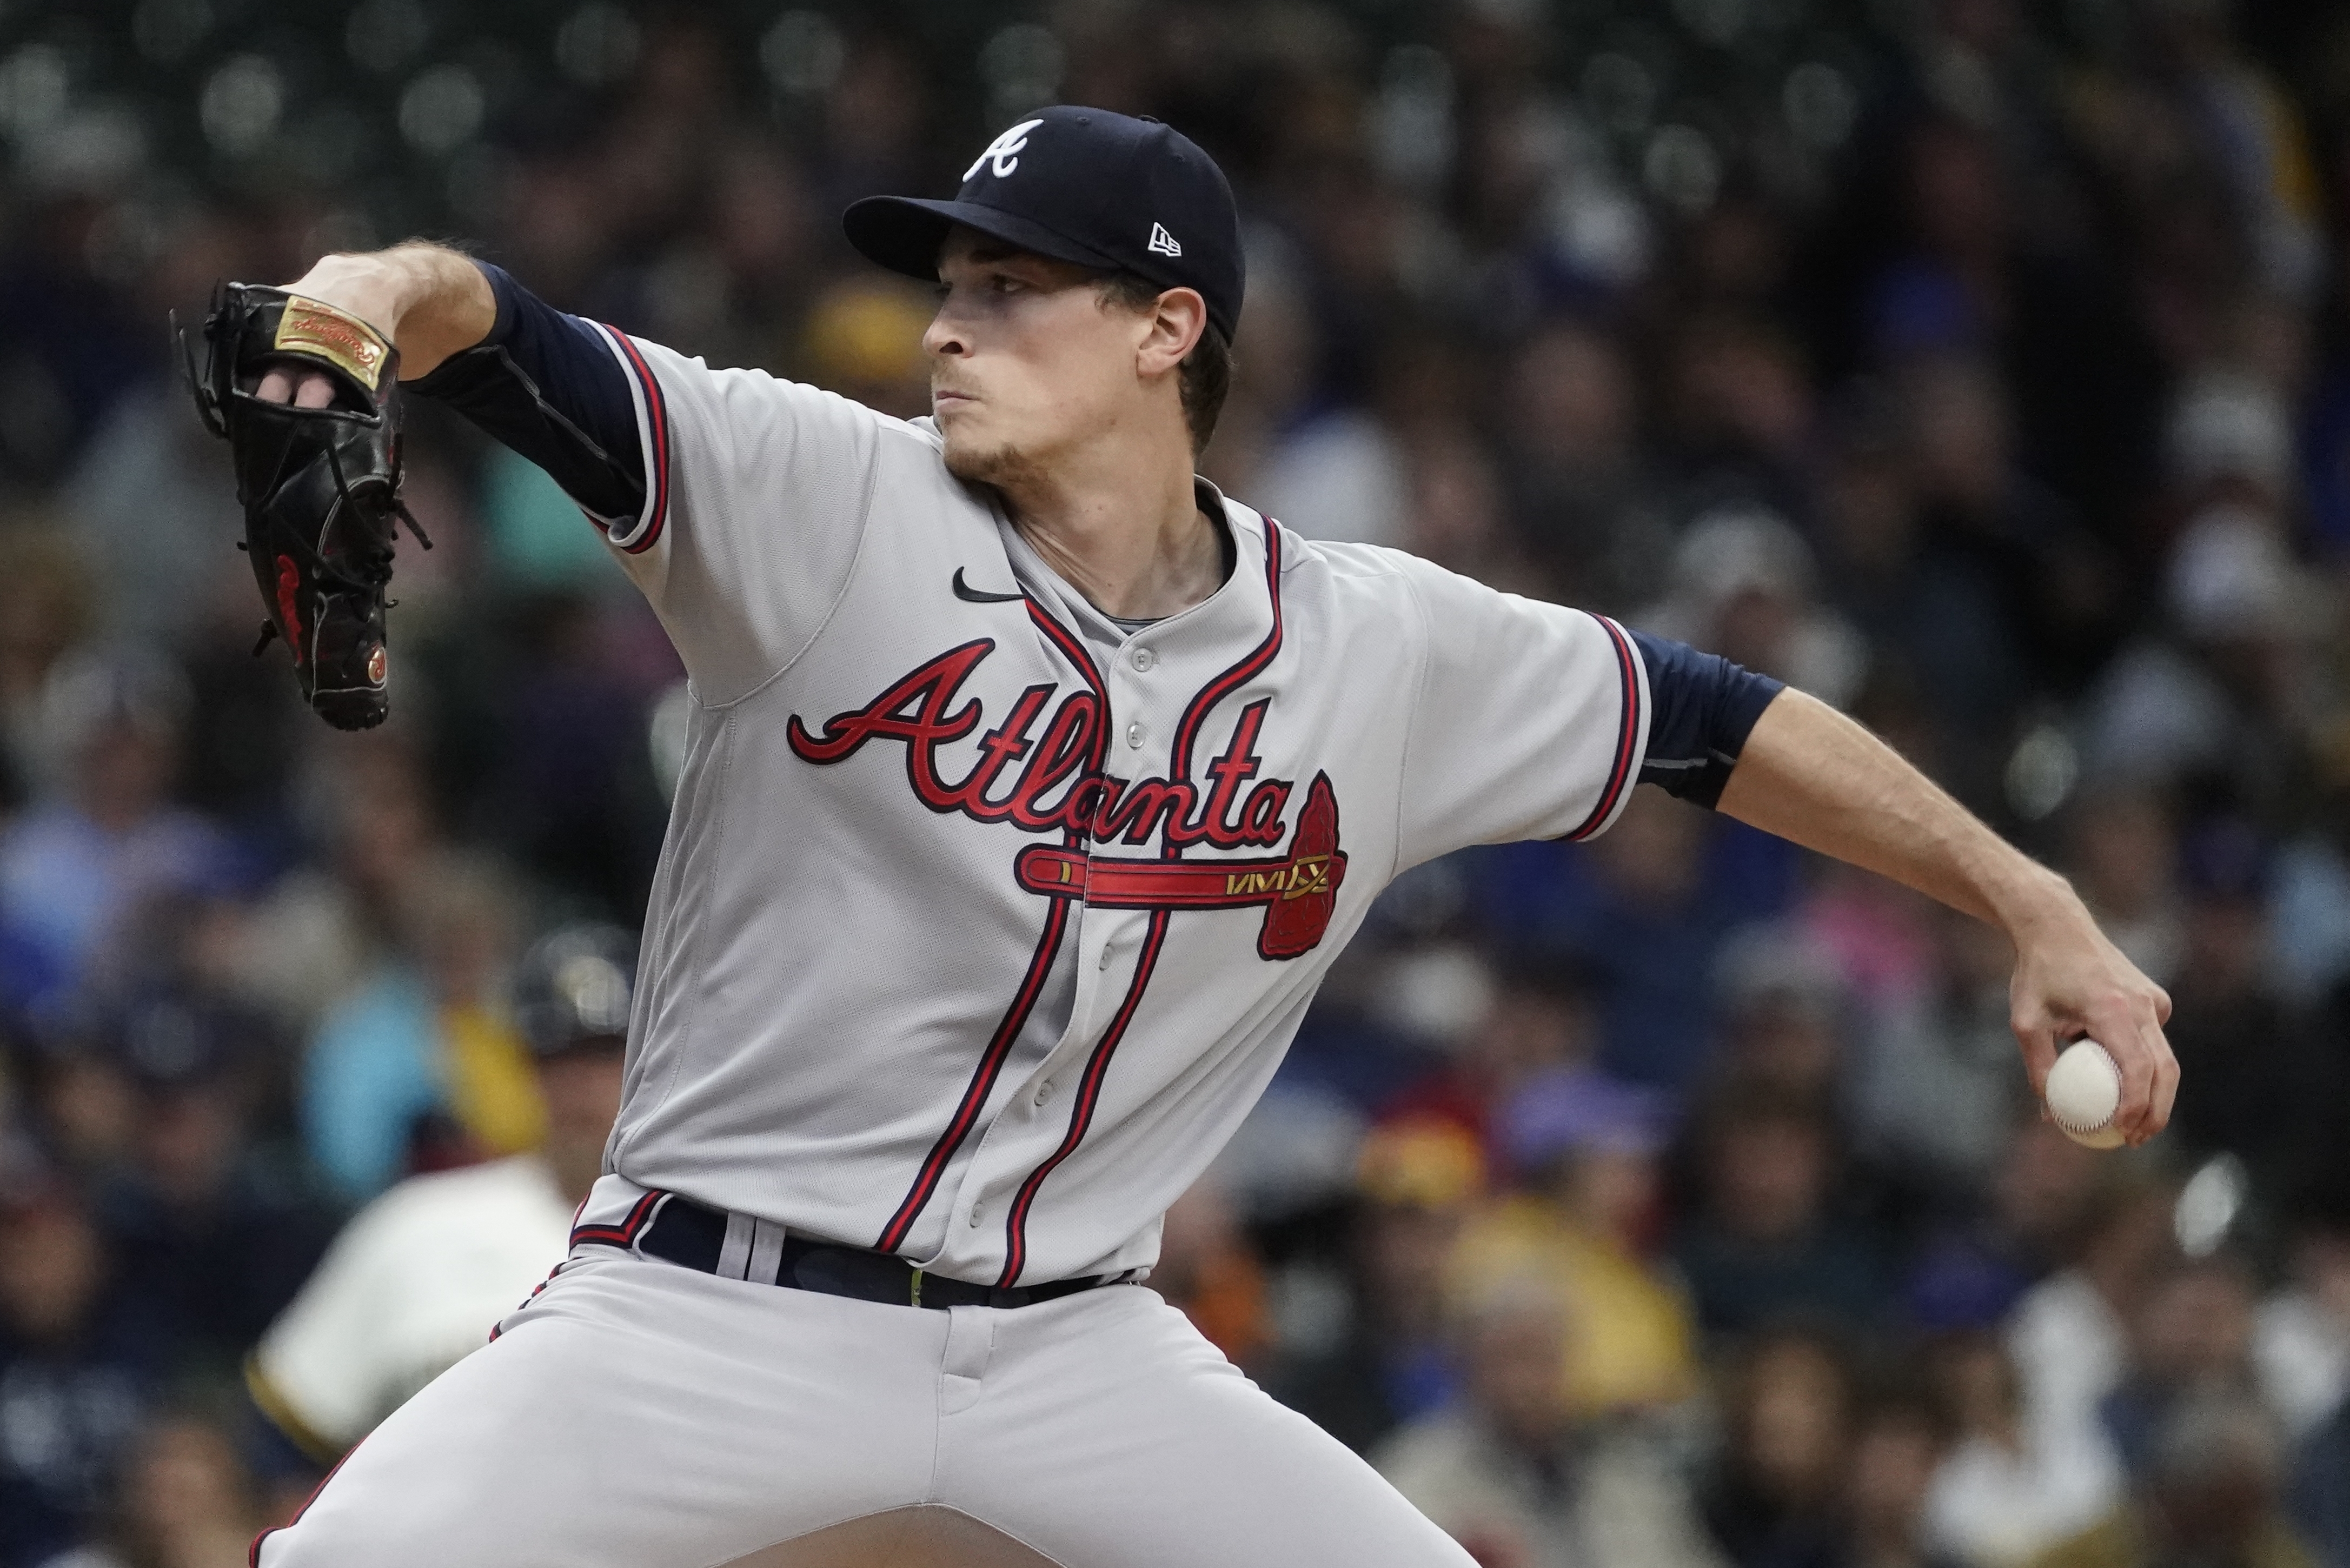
(969, 595)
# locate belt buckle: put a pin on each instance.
(917, 1295)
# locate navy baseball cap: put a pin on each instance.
(1081, 185)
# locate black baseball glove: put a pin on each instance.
(320, 487)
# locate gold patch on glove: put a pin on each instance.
(350, 345)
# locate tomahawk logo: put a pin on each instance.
(1005, 150)
(1163, 242)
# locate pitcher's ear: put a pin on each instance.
(1179, 318)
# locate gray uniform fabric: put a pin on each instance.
(981, 923)
(858, 1017)
(644, 1416)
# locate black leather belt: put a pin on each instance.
(696, 1235)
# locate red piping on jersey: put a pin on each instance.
(252, 1553)
(657, 418)
(624, 1234)
(1178, 760)
(1627, 735)
(983, 1080)
(1031, 985)
(1067, 641)
(1178, 767)
(1081, 1116)
(631, 1226)
(499, 1327)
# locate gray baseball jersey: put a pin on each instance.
(982, 920)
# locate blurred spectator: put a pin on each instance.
(155, 506)
(420, 1070)
(2320, 1497)
(1933, 621)
(1881, 937)
(1939, 1080)
(181, 1500)
(75, 868)
(2210, 1496)
(1388, 1362)
(1206, 1268)
(1738, 406)
(1991, 522)
(1330, 469)
(2309, 901)
(45, 613)
(1743, 585)
(2068, 1336)
(1985, 279)
(1517, 1478)
(2262, 1085)
(2301, 1335)
(1898, 1443)
(1639, 911)
(1587, 1148)
(1782, 1003)
(1571, 469)
(326, 926)
(204, 1225)
(1774, 1495)
(2222, 703)
(561, 783)
(1455, 512)
(82, 1358)
(1539, 1023)
(1763, 1244)
(420, 1278)
(1971, 1272)
(1997, 1500)
(2124, 864)
(865, 341)
(2191, 1337)
(81, 1099)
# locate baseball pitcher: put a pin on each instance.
(1031, 787)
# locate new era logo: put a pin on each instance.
(1163, 242)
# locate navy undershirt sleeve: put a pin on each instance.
(1702, 708)
(546, 384)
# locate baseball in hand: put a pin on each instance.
(2084, 1090)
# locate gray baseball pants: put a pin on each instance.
(635, 1414)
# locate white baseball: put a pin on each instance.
(2084, 1090)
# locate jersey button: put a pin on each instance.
(1144, 659)
(1134, 733)
(978, 1212)
(1044, 1093)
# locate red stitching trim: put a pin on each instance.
(624, 1234)
(1628, 734)
(657, 418)
(1088, 1095)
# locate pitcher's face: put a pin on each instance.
(1028, 361)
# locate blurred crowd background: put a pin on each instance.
(1982, 367)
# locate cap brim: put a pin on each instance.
(905, 233)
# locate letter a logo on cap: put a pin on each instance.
(1005, 150)
(1163, 242)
